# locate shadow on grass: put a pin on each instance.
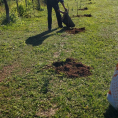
(44, 88)
(111, 113)
(62, 30)
(38, 39)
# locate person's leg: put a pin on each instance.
(58, 15)
(49, 8)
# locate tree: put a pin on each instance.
(39, 4)
(7, 11)
(26, 2)
(17, 5)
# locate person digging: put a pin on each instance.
(54, 4)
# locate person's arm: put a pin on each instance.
(62, 2)
(63, 6)
(61, 11)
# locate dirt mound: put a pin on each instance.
(91, 3)
(75, 30)
(85, 15)
(72, 68)
(85, 8)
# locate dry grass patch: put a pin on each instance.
(9, 69)
(48, 113)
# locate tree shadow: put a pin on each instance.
(38, 39)
(111, 113)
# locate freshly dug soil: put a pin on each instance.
(72, 68)
(75, 30)
(91, 3)
(85, 15)
(84, 8)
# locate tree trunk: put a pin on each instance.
(39, 4)
(7, 11)
(17, 6)
(33, 3)
(26, 2)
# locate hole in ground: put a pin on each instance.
(75, 30)
(85, 15)
(85, 8)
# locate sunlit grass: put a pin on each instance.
(29, 90)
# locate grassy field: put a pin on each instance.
(27, 90)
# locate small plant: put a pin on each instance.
(4, 20)
(13, 18)
(21, 10)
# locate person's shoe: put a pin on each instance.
(49, 29)
(61, 26)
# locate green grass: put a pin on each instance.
(29, 90)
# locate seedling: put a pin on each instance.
(80, 3)
(77, 8)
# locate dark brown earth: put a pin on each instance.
(75, 30)
(84, 8)
(72, 68)
(85, 15)
(91, 3)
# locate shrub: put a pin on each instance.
(13, 18)
(1, 2)
(24, 11)
(21, 10)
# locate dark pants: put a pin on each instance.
(49, 8)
